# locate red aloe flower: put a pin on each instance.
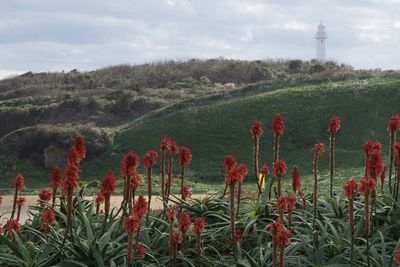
(80, 147)
(21, 201)
(281, 204)
(132, 223)
(136, 179)
(185, 156)
(238, 235)
(368, 146)
(367, 185)
(334, 125)
(256, 130)
(274, 228)
(73, 156)
(140, 249)
(290, 205)
(283, 238)
(187, 192)
(107, 188)
(397, 256)
(199, 225)
(265, 170)
(56, 177)
(394, 123)
(236, 174)
(278, 127)
(13, 225)
(70, 182)
(296, 180)
(375, 164)
(55, 181)
(150, 158)
(165, 143)
(45, 195)
(140, 208)
(229, 162)
(172, 150)
(279, 171)
(129, 164)
(175, 238)
(319, 149)
(109, 184)
(19, 182)
(171, 214)
(350, 189)
(99, 200)
(48, 218)
(184, 223)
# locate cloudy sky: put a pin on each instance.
(49, 35)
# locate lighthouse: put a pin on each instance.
(321, 42)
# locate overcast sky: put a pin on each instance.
(48, 35)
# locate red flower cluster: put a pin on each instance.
(79, 145)
(350, 189)
(396, 148)
(149, 159)
(45, 195)
(48, 218)
(140, 208)
(13, 225)
(171, 214)
(135, 181)
(238, 235)
(185, 156)
(73, 156)
(275, 227)
(290, 202)
(187, 192)
(108, 185)
(70, 182)
(394, 123)
(236, 174)
(334, 125)
(175, 237)
(140, 249)
(256, 130)
(264, 170)
(296, 180)
(229, 162)
(279, 168)
(165, 144)
(367, 185)
(173, 149)
(397, 256)
(129, 164)
(184, 222)
(132, 223)
(319, 149)
(375, 164)
(281, 204)
(199, 225)
(283, 238)
(21, 201)
(56, 177)
(278, 127)
(19, 182)
(99, 199)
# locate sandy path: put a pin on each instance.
(31, 200)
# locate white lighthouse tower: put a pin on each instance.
(321, 42)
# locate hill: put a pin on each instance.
(209, 114)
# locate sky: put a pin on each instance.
(55, 35)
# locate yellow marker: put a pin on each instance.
(260, 178)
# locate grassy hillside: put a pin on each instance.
(223, 128)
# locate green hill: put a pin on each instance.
(43, 112)
(222, 127)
